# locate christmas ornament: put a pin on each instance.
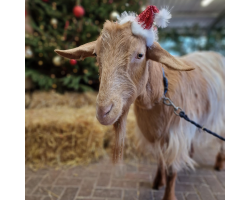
(73, 62)
(114, 15)
(78, 11)
(142, 24)
(57, 61)
(40, 62)
(28, 52)
(54, 22)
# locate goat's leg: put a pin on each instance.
(170, 185)
(220, 158)
(160, 179)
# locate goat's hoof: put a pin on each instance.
(157, 186)
(220, 162)
(170, 198)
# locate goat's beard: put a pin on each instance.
(120, 133)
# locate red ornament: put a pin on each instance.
(146, 18)
(78, 11)
(73, 62)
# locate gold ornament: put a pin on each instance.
(57, 60)
(113, 15)
(40, 62)
(54, 85)
(54, 22)
(28, 52)
(143, 8)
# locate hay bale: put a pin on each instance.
(57, 133)
(72, 99)
(62, 136)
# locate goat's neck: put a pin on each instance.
(154, 89)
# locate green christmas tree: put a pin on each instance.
(65, 24)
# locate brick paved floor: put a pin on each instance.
(132, 181)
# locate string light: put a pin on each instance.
(52, 75)
(40, 62)
(54, 85)
(75, 70)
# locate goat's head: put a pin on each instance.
(122, 58)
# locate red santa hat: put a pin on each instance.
(146, 23)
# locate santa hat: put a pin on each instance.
(143, 24)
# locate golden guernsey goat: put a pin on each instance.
(131, 72)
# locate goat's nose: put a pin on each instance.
(102, 111)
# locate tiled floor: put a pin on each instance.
(132, 181)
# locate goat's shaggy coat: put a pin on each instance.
(200, 93)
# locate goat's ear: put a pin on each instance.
(78, 53)
(158, 54)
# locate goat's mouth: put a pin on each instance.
(107, 115)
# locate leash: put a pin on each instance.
(179, 112)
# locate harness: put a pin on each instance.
(179, 112)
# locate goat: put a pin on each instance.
(130, 72)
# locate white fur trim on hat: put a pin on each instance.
(150, 35)
(162, 18)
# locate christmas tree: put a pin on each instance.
(65, 24)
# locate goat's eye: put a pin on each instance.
(139, 56)
(94, 54)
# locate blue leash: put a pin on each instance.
(182, 114)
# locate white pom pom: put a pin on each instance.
(162, 18)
